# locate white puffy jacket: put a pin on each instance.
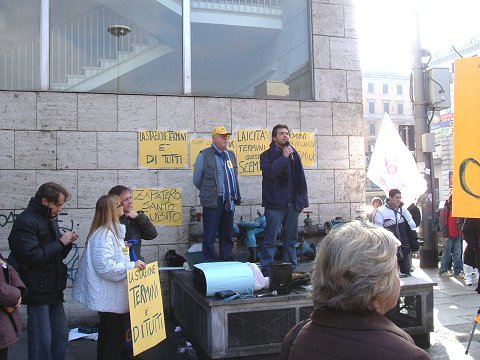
(101, 279)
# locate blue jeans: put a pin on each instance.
(47, 332)
(288, 217)
(452, 247)
(217, 220)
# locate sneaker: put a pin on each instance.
(446, 274)
(459, 276)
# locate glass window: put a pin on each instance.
(372, 129)
(370, 88)
(251, 48)
(400, 109)
(371, 107)
(386, 107)
(399, 90)
(385, 88)
(145, 58)
(19, 45)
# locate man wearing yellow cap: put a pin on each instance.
(215, 174)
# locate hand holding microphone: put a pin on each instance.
(288, 151)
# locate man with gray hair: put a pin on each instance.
(137, 224)
(215, 174)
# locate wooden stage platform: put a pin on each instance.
(255, 326)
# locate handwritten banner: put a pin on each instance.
(163, 149)
(162, 206)
(249, 145)
(304, 143)
(146, 308)
(198, 144)
(466, 159)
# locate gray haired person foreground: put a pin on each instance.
(355, 283)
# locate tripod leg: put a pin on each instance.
(471, 337)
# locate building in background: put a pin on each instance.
(74, 96)
(385, 93)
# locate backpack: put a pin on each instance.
(443, 221)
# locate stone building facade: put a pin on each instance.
(88, 142)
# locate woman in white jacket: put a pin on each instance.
(101, 279)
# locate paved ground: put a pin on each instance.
(455, 309)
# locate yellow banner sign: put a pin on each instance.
(249, 145)
(304, 143)
(163, 149)
(466, 180)
(197, 145)
(146, 308)
(162, 206)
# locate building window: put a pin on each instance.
(159, 51)
(371, 129)
(385, 88)
(370, 88)
(400, 109)
(399, 90)
(407, 133)
(371, 107)
(20, 49)
(386, 107)
(224, 43)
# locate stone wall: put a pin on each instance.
(88, 142)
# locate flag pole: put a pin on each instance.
(428, 253)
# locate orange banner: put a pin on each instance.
(466, 135)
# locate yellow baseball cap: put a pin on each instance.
(220, 130)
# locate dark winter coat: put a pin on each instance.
(11, 288)
(471, 235)
(137, 229)
(275, 192)
(35, 244)
(347, 335)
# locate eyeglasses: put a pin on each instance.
(119, 205)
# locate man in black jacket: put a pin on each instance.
(137, 224)
(39, 249)
(284, 196)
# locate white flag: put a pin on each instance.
(392, 165)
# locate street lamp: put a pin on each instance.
(118, 31)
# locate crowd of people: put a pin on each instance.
(355, 278)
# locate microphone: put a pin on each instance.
(287, 143)
(273, 293)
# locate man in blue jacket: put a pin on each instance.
(284, 196)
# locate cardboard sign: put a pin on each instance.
(466, 159)
(163, 149)
(304, 143)
(162, 206)
(146, 308)
(249, 145)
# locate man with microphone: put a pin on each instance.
(284, 196)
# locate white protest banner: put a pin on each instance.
(392, 165)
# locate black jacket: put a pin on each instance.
(137, 229)
(34, 242)
(275, 179)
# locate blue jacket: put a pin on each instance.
(275, 179)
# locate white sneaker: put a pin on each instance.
(446, 274)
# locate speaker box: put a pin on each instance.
(281, 278)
